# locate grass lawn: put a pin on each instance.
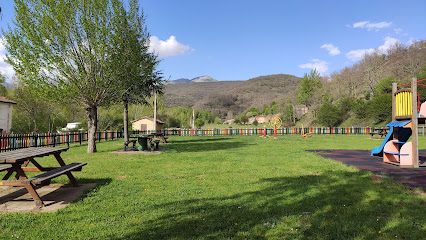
(242, 187)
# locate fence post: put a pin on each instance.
(68, 139)
(54, 139)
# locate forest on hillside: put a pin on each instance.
(361, 94)
(358, 95)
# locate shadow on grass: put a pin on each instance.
(211, 139)
(336, 205)
(100, 182)
(203, 145)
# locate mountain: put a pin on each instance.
(197, 79)
(235, 96)
(181, 80)
(203, 79)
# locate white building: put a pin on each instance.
(6, 114)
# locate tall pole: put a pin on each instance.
(155, 112)
(193, 119)
(414, 121)
(394, 89)
(393, 101)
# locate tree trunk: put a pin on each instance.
(35, 124)
(126, 120)
(92, 125)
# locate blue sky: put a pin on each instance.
(239, 40)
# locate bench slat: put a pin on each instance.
(40, 179)
(5, 167)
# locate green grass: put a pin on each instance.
(242, 187)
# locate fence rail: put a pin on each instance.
(260, 131)
(17, 141)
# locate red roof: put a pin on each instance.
(5, 100)
(149, 118)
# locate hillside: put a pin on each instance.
(237, 96)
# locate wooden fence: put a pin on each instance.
(260, 131)
(17, 141)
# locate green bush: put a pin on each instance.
(199, 123)
(381, 108)
(329, 115)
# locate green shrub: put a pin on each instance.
(329, 115)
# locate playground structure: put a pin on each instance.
(306, 135)
(407, 113)
(275, 123)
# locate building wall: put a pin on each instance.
(5, 117)
(149, 124)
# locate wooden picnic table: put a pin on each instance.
(161, 136)
(16, 162)
(142, 142)
(379, 131)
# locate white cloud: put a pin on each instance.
(389, 42)
(5, 68)
(372, 25)
(397, 30)
(170, 47)
(356, 55)
(332, 50)
(320, 66)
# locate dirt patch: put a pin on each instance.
(54, 196)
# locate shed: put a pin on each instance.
(6, 114)
(146, 124)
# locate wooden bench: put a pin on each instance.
(4, 167)
(45, 178)
(126, 144)
(156, 142)
(381, 133)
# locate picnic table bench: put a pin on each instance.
(379, 131)
(160, 136)
(16, 162)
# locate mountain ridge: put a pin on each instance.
(235, 96)
(205, 78)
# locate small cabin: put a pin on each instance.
(6, 114)
(146, 124)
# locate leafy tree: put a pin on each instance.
(360, 108)
(135, 66)
(329, 115)
(253, 111)
(217, 120)
(288, 113)
(65, 50)
(3, 89)
(199, 123)
(381, 107)
(384, 86)
(307, 86)
(243, 119)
